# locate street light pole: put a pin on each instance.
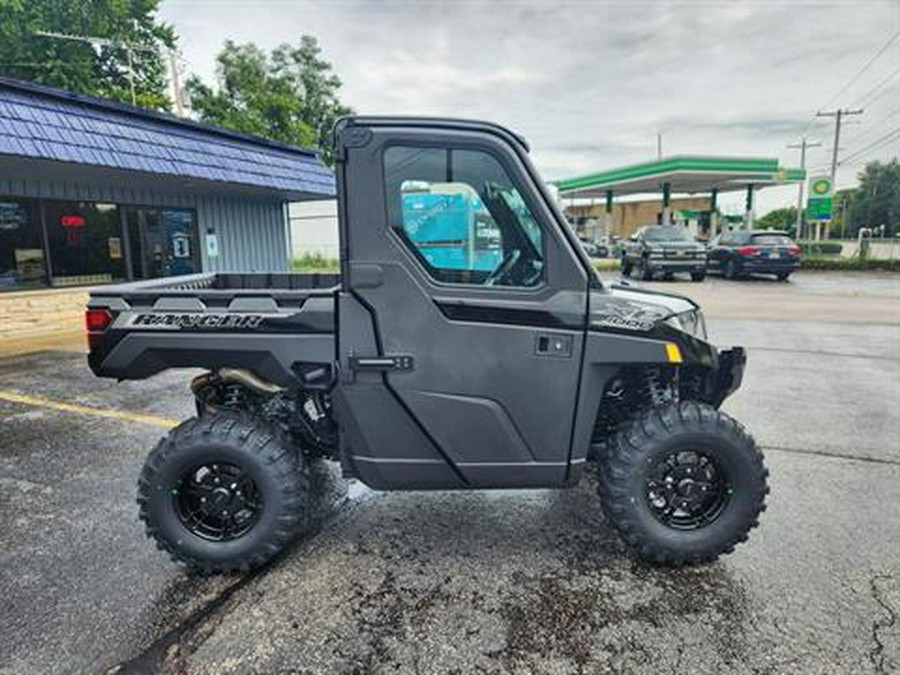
(802, 145)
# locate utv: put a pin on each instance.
(466, 343)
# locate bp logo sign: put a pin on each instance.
(821, 194)
(821, 187)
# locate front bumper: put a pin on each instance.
(729, 374)
(677, 264)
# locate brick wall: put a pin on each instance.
(37, 320)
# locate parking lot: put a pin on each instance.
(520, 581)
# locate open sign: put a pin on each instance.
(72, 221)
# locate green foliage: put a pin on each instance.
(608, 264)
(78, 66)
(876, 201)
(779, 219)
(821, 247)
(314, 262)
(850, 264)
(289, 95)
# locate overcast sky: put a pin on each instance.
(591, 83)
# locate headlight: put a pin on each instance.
(690, 322)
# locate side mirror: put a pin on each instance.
(633, 237)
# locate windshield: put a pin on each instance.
(771, 239)
(666, 234)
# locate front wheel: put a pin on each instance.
(682, 484)
(698, 276)
(223, 493)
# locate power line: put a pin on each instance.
(881, 83)
(874, 145)
(865, 67)
(855, 77)
(883, 93)
(875, 126)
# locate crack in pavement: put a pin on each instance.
(831, 455)
(816, 352)
(876, 654)
(169, 645)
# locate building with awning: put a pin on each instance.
(94, 192)
(686, 175)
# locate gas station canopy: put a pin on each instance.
(686, 174)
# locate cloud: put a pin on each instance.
(590, 84)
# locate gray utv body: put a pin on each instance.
(431, 384)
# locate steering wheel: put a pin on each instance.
(509, 261)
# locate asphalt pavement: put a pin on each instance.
(491, 581)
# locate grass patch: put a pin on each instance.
(314, 262)
(607, 264)
(821, 248)
(849, 264)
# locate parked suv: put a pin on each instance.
(663, 249)
(743, 252)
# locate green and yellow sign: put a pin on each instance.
(821, 198)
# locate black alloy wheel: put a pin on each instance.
(687, 489)
(217, 501)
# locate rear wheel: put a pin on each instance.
(224, 492)
(698, 276)
(783, 276)
(682, 484)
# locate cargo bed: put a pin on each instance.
(238, 320)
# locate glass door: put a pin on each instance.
(162, 242)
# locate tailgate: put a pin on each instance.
(135, 331)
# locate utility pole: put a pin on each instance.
(802, 145)
(837, 115)
(176, 83)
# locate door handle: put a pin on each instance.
(363, 364)
(553, 344)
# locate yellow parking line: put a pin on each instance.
(39, 402)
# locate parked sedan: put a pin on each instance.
(743, 252)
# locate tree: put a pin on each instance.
(289, 95)
(876, 201)
(78, 66)
(779, 219)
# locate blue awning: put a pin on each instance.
(42, 123)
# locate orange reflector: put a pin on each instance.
(673, 352)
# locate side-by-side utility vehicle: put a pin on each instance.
(466, 343)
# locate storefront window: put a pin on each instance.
(22, 263)
(85, 243)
